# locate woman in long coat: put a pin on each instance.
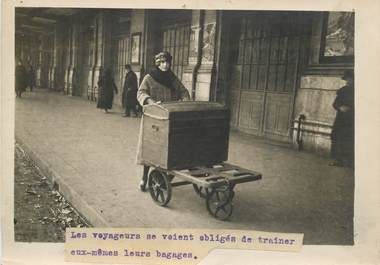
(343, 131)
(21, 77)
(107, 87)
(159, 85)
(31, 77)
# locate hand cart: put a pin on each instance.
(189, 141)
(213, 183)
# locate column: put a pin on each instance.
(202, 63)
(52, 62)
(73, 54)
(207, 69)
(39, 62)
(139, 22)
(91, 61)
(101, 52)
(68, 60)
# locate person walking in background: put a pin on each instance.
(160, 85)
(343, 130)
(129, 96)
(31, 77)
(107, 87)
(21, 78)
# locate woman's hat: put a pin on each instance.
(348, 74)
(163, 56)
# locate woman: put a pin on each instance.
(160, 85)
(21, 79)
(31, 76)
(106, 86)
(342, 134)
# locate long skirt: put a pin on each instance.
(139, 160)
(105, 99)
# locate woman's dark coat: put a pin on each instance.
(21, 78)
(32, 77)
(106, 86)
(343, 130)
(129, 97)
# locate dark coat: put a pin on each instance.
(344, 124)
(129, 97)
(21, 78)
(32, 76)
(343, 130)
(107, 87)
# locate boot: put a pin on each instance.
(144, 180)
(142, 185)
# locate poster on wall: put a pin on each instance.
(338, 37)
(135, 48)
(208, 42)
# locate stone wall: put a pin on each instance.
(314, 100)
(137, 25)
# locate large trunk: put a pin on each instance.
(185, 134)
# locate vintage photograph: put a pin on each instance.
(166, 118)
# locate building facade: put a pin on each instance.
(277, 71)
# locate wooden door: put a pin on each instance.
(122, 58)
(264, 73)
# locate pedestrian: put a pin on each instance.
(160, 85)
(21, 78)
(129, 96)
(31, 77)
(107, 87)
(343, 130)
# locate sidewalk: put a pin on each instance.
(91, 155)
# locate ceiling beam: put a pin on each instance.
(47, 13)
(36, 23)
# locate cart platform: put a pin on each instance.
(214, 183)
(216, 175)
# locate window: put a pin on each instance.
(176, 41)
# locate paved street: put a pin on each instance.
(91, 155)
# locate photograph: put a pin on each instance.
(235, 119)
(258, 113)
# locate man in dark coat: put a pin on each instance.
(343, 131)
(129, 96)
(21, 77)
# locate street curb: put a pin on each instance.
(77, 201)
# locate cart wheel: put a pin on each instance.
(219, 202)
(159, 187)
(202, 192)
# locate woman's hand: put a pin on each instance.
(149, 101)
(344, 108)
